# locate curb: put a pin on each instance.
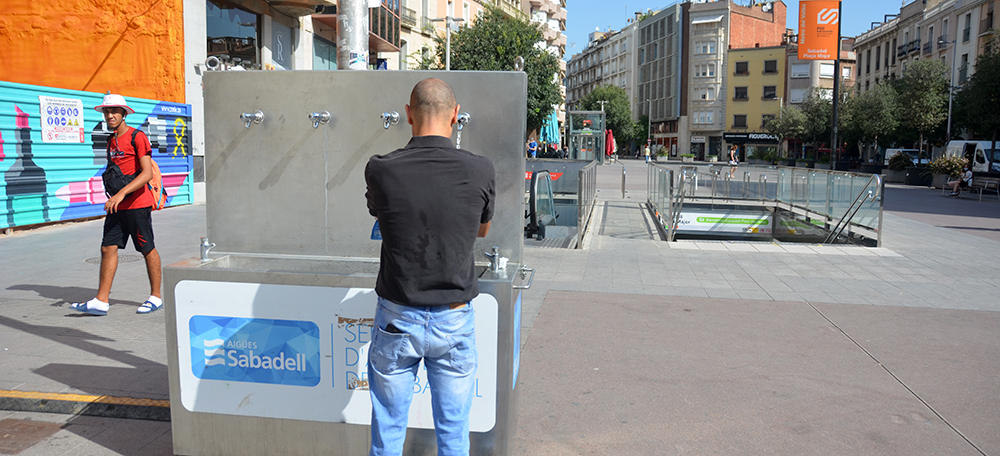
(80, 404)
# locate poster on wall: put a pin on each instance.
(819, 30)
(62, 119)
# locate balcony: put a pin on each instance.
(408, 18)
(913, 46)
(511, 8)
(963, 74)
(928, 48)
(986, 25)
(901, 51)
(942, 42)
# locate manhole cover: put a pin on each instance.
(19, 435)
(121, 259)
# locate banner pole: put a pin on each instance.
(835, 151)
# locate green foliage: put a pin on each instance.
(952, 166)
(976, 105)
(492, 43)
(616, 109)
(900, 161)
(641, 130)
(923, 96)
(874, 114)
(687, 155)
(818, 110)
(790, 123)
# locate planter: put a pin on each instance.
(918, 176)
(871, 168)
(822, 166)
(940, 180)
(788, 162)
(841, 166)
(713, 158)
(687, 159)
(895, 176)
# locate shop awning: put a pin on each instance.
(707, 19)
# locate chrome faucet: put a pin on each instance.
(497, 262)
(205, 247)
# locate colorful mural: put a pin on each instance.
(52, 163)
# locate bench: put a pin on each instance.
(989, 184)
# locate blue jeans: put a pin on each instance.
(446, 340)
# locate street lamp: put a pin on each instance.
(951, 85)
(448, 21)
(649, 122)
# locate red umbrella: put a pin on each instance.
(609, 142)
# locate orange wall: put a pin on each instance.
(134, 48)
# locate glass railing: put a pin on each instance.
(825, 196)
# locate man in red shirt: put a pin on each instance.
(129, 211)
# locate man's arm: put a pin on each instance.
(484, 229)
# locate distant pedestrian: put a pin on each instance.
(532, 148)
(734, 159)
(964, 180)
(129, 211)
(647, 153)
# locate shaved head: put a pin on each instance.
(430, 99)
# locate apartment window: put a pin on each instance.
(968, 28)
(826, 70)
(705, 47)
(465, 11)
(656, 50)
(963, 69)
(878, 57)
(739, 120)
(887, 54)
(764, 119)
(770, 92)
(893, 54)
(741, 94)
(800, 70)
(742, 68)
(707, 94)
(845, 73)
(770, 67)
(709, 117)
(642, 56)
(868, 64)
(797, 95)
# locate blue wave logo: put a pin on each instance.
(256, 350)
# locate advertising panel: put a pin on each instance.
(819, 30)
(301, 352)
(744, 222)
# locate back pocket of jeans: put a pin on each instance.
(386, 348)
(463, 351)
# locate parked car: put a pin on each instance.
(913, 153)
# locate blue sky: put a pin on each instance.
(584, 15)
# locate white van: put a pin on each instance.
(983, 158)
(913, 153)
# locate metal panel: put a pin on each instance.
(51, 181)
(285, 187)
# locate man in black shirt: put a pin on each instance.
(432, 201)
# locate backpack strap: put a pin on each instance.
(135, 131)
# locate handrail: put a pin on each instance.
(859, 201)
(586, 198)
(746, 185)
(762, 187)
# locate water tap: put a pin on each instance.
(497, 262)
(205, 247)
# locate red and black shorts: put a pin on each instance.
(134, 223)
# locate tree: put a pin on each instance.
(492, 43)
(616, 109)
(790, 124)
(923, 96)
(873, 115)
(818, 111)
(978, 103)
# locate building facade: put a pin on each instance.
(659, 77)
(714, 28)
(756, 86)
(551, 15)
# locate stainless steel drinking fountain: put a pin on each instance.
(267, 338)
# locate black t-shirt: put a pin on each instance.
(430, 199)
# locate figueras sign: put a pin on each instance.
(819, 30)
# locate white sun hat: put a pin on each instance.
(113, 100)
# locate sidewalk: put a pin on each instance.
(631, 346)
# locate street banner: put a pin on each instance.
(819, 30)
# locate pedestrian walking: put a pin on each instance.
(427, 276)
(647, 153)
(129, 210)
